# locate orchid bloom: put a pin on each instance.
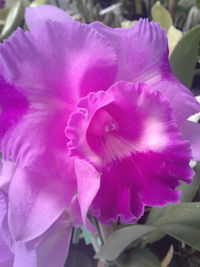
(91, 113)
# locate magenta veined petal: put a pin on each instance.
(135, 145)
(13, 107)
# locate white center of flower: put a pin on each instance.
(110, 126)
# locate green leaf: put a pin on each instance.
(198, 4)
(14, 19)
(128, 23)
(3, 13)
(76, 235)
(38, 2)
(120, 239)
(182, 222)
(184, 56)
(193, 18)
(139, 258)
(173, 36)
(189, 191)
(161, 15)
(185, 4)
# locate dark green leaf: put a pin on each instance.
(139, 258)
(76, 235)
(182, 222)
(189, 191)
(198, 3)
(185, 4)
(3, 13)
(120, 239)
(184, 56)
(78, 258)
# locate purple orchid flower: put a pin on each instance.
(92, 114)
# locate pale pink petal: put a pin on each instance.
(142, 50)
(191, 132)
(60, 74)
(44, 173)
(76, 212)
(4, 229)
(182, 101)
(6, 174)
(53, 249)
(88, 180)
(49, 249)
(35, 17)
(46, 197)
(8, 263)
(5, 253)
(25, 255)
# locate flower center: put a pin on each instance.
(103, 137)
(110, 126)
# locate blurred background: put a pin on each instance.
(181, 21)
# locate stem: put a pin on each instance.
(171, 6)
(105, 231)
(95, 243)
(149, 8)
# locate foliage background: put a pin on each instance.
(168, 236)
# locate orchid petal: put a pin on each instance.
(137, 50)
(134, 127)
(44, 172)
(141, 60)
(12, 107)
(5, 254)
(53, 249)
(64, 70)
(191, 132)
(87, 178)
(182, 101)
(47, 198)
(35, 17)
(6, 174)
(25, 255)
